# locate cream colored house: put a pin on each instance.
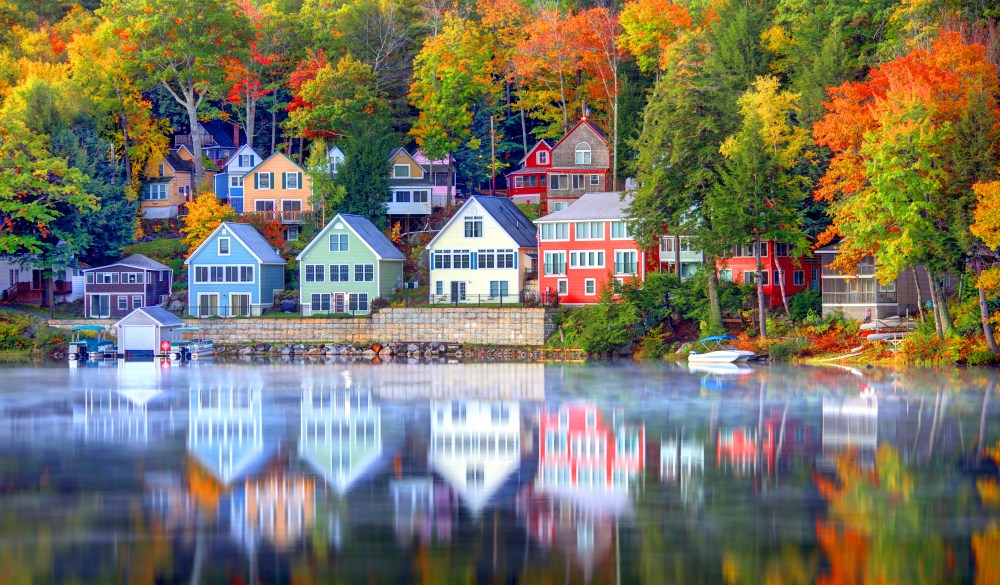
(486, 253)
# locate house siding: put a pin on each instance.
(174, 179)
(390, 274)
(771, 262)
(564, 163)
(357, 253)
(278, 164)
(156, 284)
(419, 179)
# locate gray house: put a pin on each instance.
(859, 295)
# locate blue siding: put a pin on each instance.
(268, 277)
(222, 185)
(236, 199)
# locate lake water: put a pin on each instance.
(497, 473)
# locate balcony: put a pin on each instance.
(859, 298)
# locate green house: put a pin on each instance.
(348, 265)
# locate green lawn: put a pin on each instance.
(529, 209)
(163, 250)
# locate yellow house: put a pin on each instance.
(279, 185)
(167, 186)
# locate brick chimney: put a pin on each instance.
(236, 135)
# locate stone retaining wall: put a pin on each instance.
(463, 325)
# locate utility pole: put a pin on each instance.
(493, 160)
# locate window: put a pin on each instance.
(474, 226)
(292, 233)
(315, 272)
(595, 180)
(555, 263)
(106, 278)
(401, 171)
(338, 243)
(223, 246)
(518, 182)
(155, 192)
(543, 157)
(558, 182)
(579, 181)
(420, 196)
(626, 262)
(292, 205)
(587, 259)
(136, 302)
(402, 196)
(122, 303)
(559, 205)
(452, 259)
(562, 286)
(531, 181)
(619, 230)
(439, 287)
(340, 272)
(364, 272)
(498, 288)
(263, 206)
(162, 170)
(203, 274)
(246, 160)
(292, 180)
(15, 277)
(357, 301)
(590, 230)
(725, 275)
(798, 277)
(555, 231)
(777, 277)
(589, 287)
(815, 274)
(321, 303)
(749, 277)
(235, 181)
(763, 277)
(496, 259)
(583, 154)
(131, 278)
(782, 250)
(263, 180)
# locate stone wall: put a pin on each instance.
(462, 325)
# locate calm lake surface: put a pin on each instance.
(497, 473)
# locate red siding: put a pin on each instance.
(771, 262)
(577, 428)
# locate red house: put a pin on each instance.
(527, 184)
(580, 163)
(585, 245)
(800, 273)
(581, 450)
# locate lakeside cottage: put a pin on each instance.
(278, 187)
(234, 273)
(527, 184)
(131, 283)
(167, 186)
(861, 295)
(585, 244)
(801, 273)
(580, 163)
(487, 252)
(346, 266)
(229, 183)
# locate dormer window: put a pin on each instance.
(583, 154)
(543, 157)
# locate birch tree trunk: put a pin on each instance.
(984, 314)
(762, 318)
(715, 307)
(936, 305)
(946, 324)
(920, 300)
(784, 296)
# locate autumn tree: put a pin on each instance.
(986, 226)
(180, 46)
(450, 76)
(205, 214)
(368, 141)
(649, 30)
(333, 97)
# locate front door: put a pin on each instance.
(338, 302)
(208, 305)
(36, 280)
(240, 305)
(457, 291)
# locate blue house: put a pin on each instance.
(229, 183)
(234, 273)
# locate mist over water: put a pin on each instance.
(517, 473)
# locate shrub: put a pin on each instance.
(785, 350)
(923, 346)
(981, 357)
(378, 304)
(653, 345)
(805, 304)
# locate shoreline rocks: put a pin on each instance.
(396, 351)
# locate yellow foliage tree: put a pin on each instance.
(205, 214)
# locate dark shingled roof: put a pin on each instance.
(222, 132)
(511, 219)
(374, 237)
(180, 165)
(256, 242)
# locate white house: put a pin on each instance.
(229, 183)
(20, 282)
(487, 252)
(475, 446)
(334, 158)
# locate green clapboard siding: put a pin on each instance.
(358, 253)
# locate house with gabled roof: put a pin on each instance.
(346, 266)
(229, 182)
(588, 243)
(278, 186)
(486, 253)
(580, 164)
(117, 289)
(527, 184)
(219, 140)
(166, 187)
(411, 186)
(234, 273)
(340, 436)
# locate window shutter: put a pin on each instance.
(432, 261)
(475, 261)
(256, 181)
(298, 180)
(515, 258)
(271, 181)
(284, 181)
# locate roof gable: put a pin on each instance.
(585, 123)
(234, 160)
(159, 315)
(505, 214)
(544, 143)
(609, 206)
(366, 231)
(402, 152)
(133, 261)
(268, 159)
(248, 237)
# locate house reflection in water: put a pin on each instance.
(850, 424)
(278, 507)
(423, 511)
(681, 461)
(476, 447)
(123, 416)
(586, 472)
(340, 435)
(226, 432)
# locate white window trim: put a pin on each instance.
(396, 175)
(592, 284)
(229, 246)
(260, 187)
(299, 201)
(638, 259)
(562, 287)
(294, 174)
(256, 201)
(542, 154)
(555, 223)
(597, 253)
(559, 181)
(194, 272)
(232, 303)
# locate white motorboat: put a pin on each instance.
(714, 352)
(192, 349)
